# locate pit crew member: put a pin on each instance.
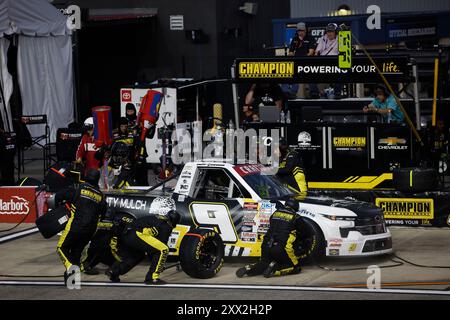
(102, 248)
(149, 235)
(87, 204)
(87, 150)
(290, 170)
(123, 133)
(278, 256)
(130, 111)
(118, 170)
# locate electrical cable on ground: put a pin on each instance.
(397, 264)
(421, 265)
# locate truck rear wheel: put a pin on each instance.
(311, 243)
(201, 253)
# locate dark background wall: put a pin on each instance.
(113, 54)
(318, 8)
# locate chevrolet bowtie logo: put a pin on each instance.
(392, 141)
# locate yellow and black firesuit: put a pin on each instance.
(146, 235)
(291, 172)
(87, 204)
(118, 171)
(278, 255)
(102, 248)
(127, 135)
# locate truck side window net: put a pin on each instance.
(215, 184)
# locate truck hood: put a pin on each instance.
(360, 208)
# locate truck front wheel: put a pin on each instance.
(201, 253)
(311, 243)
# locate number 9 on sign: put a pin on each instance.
(345, 49)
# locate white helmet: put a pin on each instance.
(89, 122)
(162, 205)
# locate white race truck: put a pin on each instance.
(225, 211)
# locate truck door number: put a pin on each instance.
(215, 215)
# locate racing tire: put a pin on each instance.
(311, 244)
(202, 253)
(415, 179)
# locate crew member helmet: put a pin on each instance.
(89, 123)
(174, 217)
(119, 152)
(92, 177)
(291, 204)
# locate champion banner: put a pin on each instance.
(425, 209)
(396, 69)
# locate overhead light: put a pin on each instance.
(344, 10)
(250, 8)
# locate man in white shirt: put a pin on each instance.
(327, 45)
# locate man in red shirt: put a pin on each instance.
(87, 150)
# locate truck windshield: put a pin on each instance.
(266, 186)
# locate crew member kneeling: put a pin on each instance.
(87, 204)
(277, 252)
(145, 235)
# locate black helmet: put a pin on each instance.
(92, 177)
(119, 152)
(131, 106)
(174, 217)
(291, 204)
(123, 121)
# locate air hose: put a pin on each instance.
(421, 265)
(26, 216)
(397, 264)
